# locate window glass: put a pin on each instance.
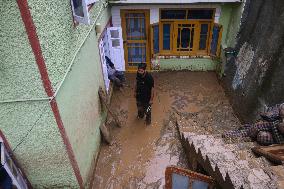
(200, 14)
(156, 38)
(135, 24)
(136, 53)
(180, 181)
(167, 36)
(114, 33)
(203, 36)
(173, 14)
(115, 42)
(196, 184)
(78, 8)
(185, 37)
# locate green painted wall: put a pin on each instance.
(193, 64)
(235, 23)
(19, 74)
(59, 38)
(41, 152)
(77, 98)
(230, 20)
(225, 17)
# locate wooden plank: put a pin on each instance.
(102, 96)
(274, 153)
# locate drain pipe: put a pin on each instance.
(73, 59)
(104, 5)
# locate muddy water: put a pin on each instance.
(139, 153)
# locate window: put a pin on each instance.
(200, 14)
(204, 36)
(185, 37)
(173, 14)
(9, 166)
(136, 53)
(166, 36)
(136, 26)
(80, 10)
(186, 32)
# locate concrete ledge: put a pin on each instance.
(192, 64)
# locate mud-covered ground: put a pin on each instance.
(139, 153)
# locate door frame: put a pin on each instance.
(147, 29)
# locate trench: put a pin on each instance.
(140, 154)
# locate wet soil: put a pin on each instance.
(139, 153)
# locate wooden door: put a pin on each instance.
(135, 29)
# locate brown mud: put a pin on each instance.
(139, 153)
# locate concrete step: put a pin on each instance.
(232, 165)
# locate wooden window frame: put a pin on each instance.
(195, 39)
(209, 37)
(187, 10)
(173, 22)
(161, 36)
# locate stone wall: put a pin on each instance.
(253, 78)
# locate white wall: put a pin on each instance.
(154, 11)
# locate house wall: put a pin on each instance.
(29, 126)
(77, 99)
(31, 123)
(154, 11)
(192, 64)
(228, 15)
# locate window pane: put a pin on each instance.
(135, 24)
(173, 14)
(203, 36)
(78, 8)
(185, 37)
(180, 181)
(156, 39)
(136, 53)
(200, 14)
(114, 33)
(167, 36)
(199, 185)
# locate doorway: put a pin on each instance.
(135, 30)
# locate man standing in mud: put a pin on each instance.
(144, 93)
